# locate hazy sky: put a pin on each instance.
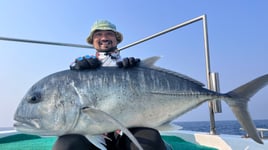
(238, 40)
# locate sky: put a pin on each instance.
(237, 32)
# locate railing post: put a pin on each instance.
(208, 75)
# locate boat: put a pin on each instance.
(178, 139)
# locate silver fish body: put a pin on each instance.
(147, 96)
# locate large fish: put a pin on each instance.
(93, 102)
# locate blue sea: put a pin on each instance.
(222, 127)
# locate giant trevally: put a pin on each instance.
(93, 102)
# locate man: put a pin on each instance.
(104, 37)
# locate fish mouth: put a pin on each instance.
(32, 126)
(26, 124)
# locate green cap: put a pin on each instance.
(104, 25)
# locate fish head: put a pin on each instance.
(48, 108)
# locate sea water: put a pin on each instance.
(222, 127)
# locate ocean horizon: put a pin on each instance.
(231, 127)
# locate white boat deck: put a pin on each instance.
(221, 142)
(5, 133)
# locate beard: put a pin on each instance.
(105, 46)
(111, 49)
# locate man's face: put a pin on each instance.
(104, 40)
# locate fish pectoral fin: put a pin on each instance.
(99, 114)
(97, 140)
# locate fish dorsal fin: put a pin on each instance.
(178, 75)
(149, 62)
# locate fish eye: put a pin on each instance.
(35, 98)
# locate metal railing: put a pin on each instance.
(44, 42)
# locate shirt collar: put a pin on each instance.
(112, 55)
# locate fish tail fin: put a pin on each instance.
(238, 102)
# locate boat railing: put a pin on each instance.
(261, 132)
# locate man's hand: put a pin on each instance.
(86, 62)
(128, 62)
